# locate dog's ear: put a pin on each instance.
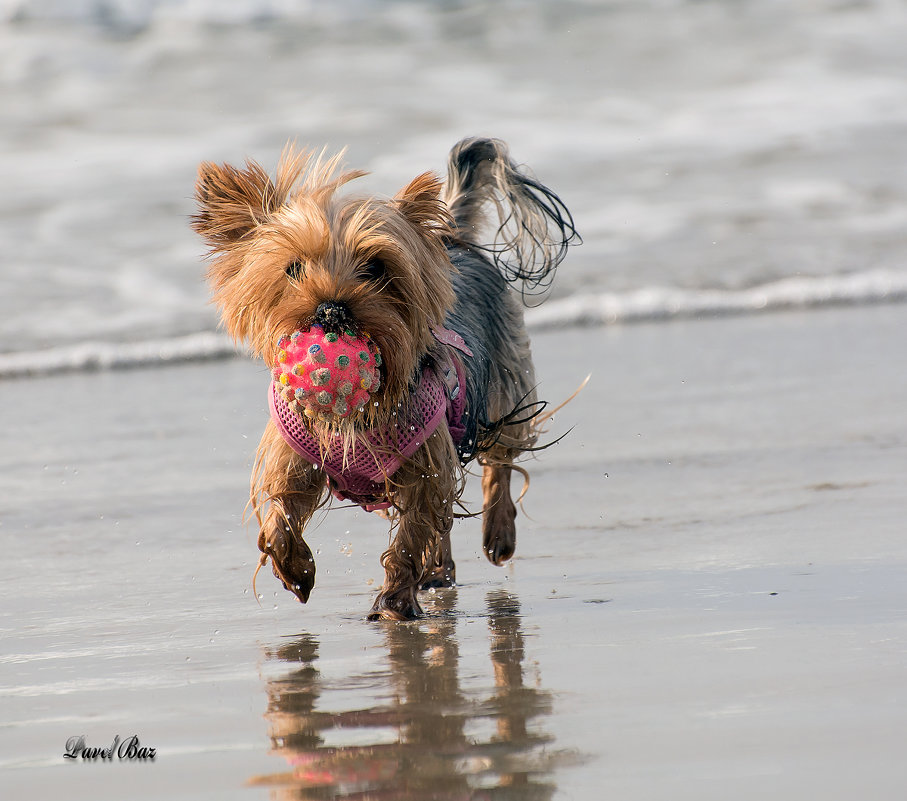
(231, 202)
(420, 202)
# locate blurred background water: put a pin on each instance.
(706, 147)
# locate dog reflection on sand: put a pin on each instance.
(433, 739)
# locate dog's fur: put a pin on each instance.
(397, 269)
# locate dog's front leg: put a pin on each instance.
(286, 491)
(429, 485)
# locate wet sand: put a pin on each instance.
(707, 602)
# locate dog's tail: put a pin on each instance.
(534, 226)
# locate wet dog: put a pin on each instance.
(395, 333)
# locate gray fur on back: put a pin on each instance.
(533, 229)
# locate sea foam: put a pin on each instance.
(664, 303)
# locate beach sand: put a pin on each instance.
(708, 598)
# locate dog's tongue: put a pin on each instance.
(327, 375)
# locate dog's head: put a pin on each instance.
(291, 252)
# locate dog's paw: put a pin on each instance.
(499, 543)
(291, 561)
(399, 606)
(300, 587)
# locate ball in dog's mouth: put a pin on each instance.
(327, 375)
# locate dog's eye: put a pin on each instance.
(295, 270)
(373, 270)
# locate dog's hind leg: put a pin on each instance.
(516, 402)
(498, 511)
(286, 491)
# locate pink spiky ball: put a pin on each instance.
(327, 374)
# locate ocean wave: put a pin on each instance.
(87, 356)
(136, 16)
(139, 14)
(610, 308)
(666, 303)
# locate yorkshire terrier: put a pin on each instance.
(395, 334)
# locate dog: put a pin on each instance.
(431, 315)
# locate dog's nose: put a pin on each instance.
(332, 316)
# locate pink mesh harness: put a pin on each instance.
(361, 474)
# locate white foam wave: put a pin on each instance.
(85, 356)
(137, 15)
(641, 305)
(665, 303)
